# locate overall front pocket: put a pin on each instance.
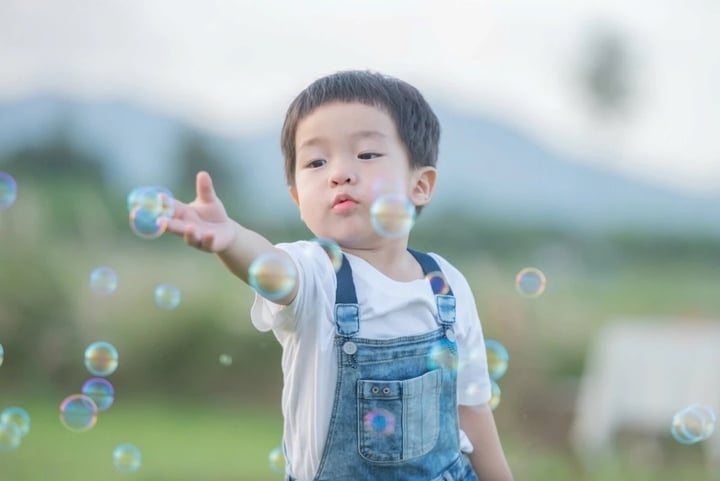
(398, 420)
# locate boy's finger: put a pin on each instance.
(190, 236)
(207, 241)
(174, 226)
(179, 209)
(204, 187)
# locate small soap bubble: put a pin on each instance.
(332, 249)
(101, 358)
(225, 359)
(78, 412)
(438, 282)
(497, 359)
(103, 280)
(127, 458)
(144, 223)
(2, 354)
(379, 421)
(272, 275)
(530, 282)
(392, 215)
(443, 354)
(167, 296)
(157, 200)
(17, 416)
(495, 394)
(8, 190)
(276, 458)
(100, 391)
(693, 424)
(10, 436)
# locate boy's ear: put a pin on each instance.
(423, 185)
(294, 195)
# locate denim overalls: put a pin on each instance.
(394, 414)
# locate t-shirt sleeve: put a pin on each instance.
(316, 281)
(473, 381)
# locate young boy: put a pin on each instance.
(385, 376)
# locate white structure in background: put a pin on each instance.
(639, 374)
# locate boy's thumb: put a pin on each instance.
(204, 187)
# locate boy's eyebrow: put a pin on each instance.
(361, 134)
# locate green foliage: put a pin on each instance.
(56, 157)
(196, 153)
(59, 230)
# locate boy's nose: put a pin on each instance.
(342, 175)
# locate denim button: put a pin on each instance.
(386, 390)
(375, 390)
(349, 348)
(450, 334)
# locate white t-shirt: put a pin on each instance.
(388, 309)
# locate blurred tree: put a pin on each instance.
(56, 157)
(197, 152)
(606, 72)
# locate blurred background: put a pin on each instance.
(579, 138)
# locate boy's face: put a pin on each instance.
(346, 155)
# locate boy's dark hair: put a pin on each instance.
(415, 121)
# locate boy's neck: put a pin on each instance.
(393, 260)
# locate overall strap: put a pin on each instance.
(444, 297)
(429, 265)
(347, 311)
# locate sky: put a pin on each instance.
(233, 66)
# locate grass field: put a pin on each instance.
(178, 442)
(183, 442)
(47, 314)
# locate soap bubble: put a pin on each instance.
(392, 215)
(78, 412)
(272, 275)
(127, 458)
(101, 358)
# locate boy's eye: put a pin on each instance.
(316, 163)
(368, 155)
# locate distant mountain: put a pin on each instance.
(487, 169)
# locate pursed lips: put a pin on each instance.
(343, 202)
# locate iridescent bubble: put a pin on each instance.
(127, 458)
(101, 358)
(78, 412)
(438, 282)
(2, 354)
(495, 394)
(225, 359)
(443, 354)
(17, 416)
(167, 296)
(332, 249)
(530, 282)
(8, 190)
(392, 215)
(379, 421)
(144, 223)
(276, 458)
(272, 275)
(157, 200)
(10, 436)
(100, 391)
(497, 359)
(693, 424)
(103, 280)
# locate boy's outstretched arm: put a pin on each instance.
(205, 225)
(487, 459)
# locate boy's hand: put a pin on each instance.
(203, 223)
